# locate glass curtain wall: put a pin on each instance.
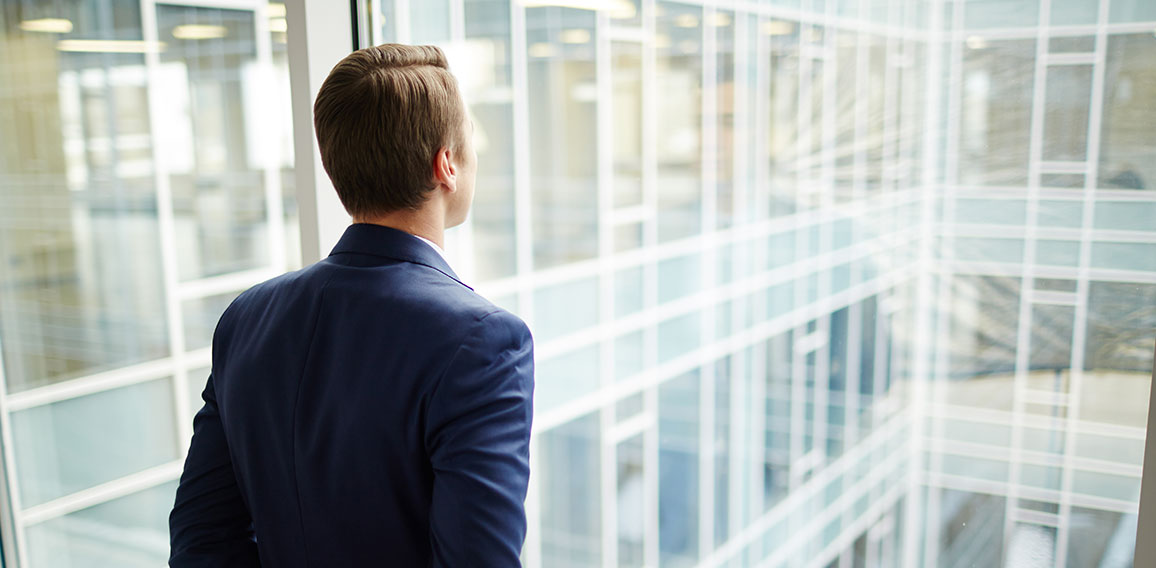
(845, 283)
(145, 180)
(813, 282)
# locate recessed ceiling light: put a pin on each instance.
(542, 50)
(275, 10)
(623, 11)
(614, 6)
(278, 25)
(200, 31)
(686, 21)
(720, 20)
(109, 46)
(576, 36)
(47, 25)
(777, 28)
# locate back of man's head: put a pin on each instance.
(381, 117)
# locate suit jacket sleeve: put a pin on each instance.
(210, 524)
(477, 436)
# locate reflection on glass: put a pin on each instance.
(569, 476)
(213, 82)
(1129, 87)
(722, 23)
(1069, 89)
(626, 61)
(971, 528)
(482, 68)
(982, 339)
(847, 54)
(428, 22)
(995, 121)
(67, 446)
(782, 114)
(201, 315)
(631, 501)
(722, 450)
(678, 451)
(196, 382)
(95, 536)
(81, 286)
(562, 101)
(678, 46)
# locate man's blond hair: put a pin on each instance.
(381, 117)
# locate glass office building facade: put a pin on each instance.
(813, 282)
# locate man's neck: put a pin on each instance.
(425, 223)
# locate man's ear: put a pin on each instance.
(445, 172)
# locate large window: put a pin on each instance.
(145, 169)
(817, 283)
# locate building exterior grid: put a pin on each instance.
(813, 283)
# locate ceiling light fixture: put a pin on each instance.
(199, 31)
(777, 28)
(47, 25)
(685, 21)
(109, 46)
(576, 36)
(542, 50)
(275, 10)
(614, 6)
(278, 25)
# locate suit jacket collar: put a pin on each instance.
(376, 240)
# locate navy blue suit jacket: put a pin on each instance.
(368, 410)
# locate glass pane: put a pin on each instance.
(1132, 11)
(565, 308)
(1069, 91)
(211, 78)
(133, 533)
(67, 446)
(631, 502)
(996, 112)
(722, 23)
(967, 528)
(1074, 12)
(981, 347)
(1077, 44)
(627, 138)
(782, 115)
(570, 477)
(562, 102)
(201, 316)
(428, 22)
(678, 277)
(81, 285)
(565, 378)
(484, 74)
(980, 14)
(1126, 144)
(1126, 215)
(1094, 530)
(197, 380)
(678, 449)
(628, 355)
(678, 43)
(1051, 341)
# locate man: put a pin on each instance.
(370, 409)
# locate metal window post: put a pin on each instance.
(315, 29)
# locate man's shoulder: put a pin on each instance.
(420, 296)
